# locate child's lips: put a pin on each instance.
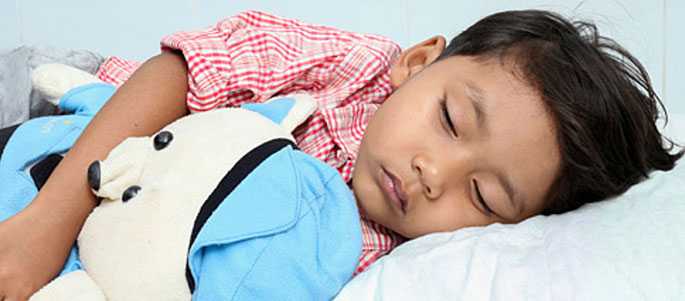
(393, 189)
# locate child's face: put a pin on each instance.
(513, 141)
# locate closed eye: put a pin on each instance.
(447, 121)
(482, 201)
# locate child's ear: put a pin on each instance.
(415, 58)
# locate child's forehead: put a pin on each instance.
(480, 78)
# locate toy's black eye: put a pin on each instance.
(130, 193)
(94, 175)
(163, 139)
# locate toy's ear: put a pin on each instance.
(54, 80)
(288, 111)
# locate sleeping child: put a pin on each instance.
(523, 113)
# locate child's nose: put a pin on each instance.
(430, 175)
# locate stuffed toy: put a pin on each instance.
(216, 206)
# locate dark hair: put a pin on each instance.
(600, 96)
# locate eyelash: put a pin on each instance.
(446, 117)
(481, 200)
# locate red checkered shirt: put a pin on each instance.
(254, 56)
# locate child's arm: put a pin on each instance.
(35, 242)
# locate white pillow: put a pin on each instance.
(631, 247)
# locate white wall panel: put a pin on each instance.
(10, 29)
(674, 59)
(127, 28)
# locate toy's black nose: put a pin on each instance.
(94, 175)
(130, 193)
(163, 139)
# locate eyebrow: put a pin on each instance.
(476, 97)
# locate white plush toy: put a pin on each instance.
(218, 205)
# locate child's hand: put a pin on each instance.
(28, 257)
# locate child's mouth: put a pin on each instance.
(391, 189)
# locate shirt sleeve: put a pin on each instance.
(254, 55)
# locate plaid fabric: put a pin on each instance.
(254, 56)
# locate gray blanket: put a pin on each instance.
(18, 102)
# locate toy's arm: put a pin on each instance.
(74, 286)
(153, 97)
